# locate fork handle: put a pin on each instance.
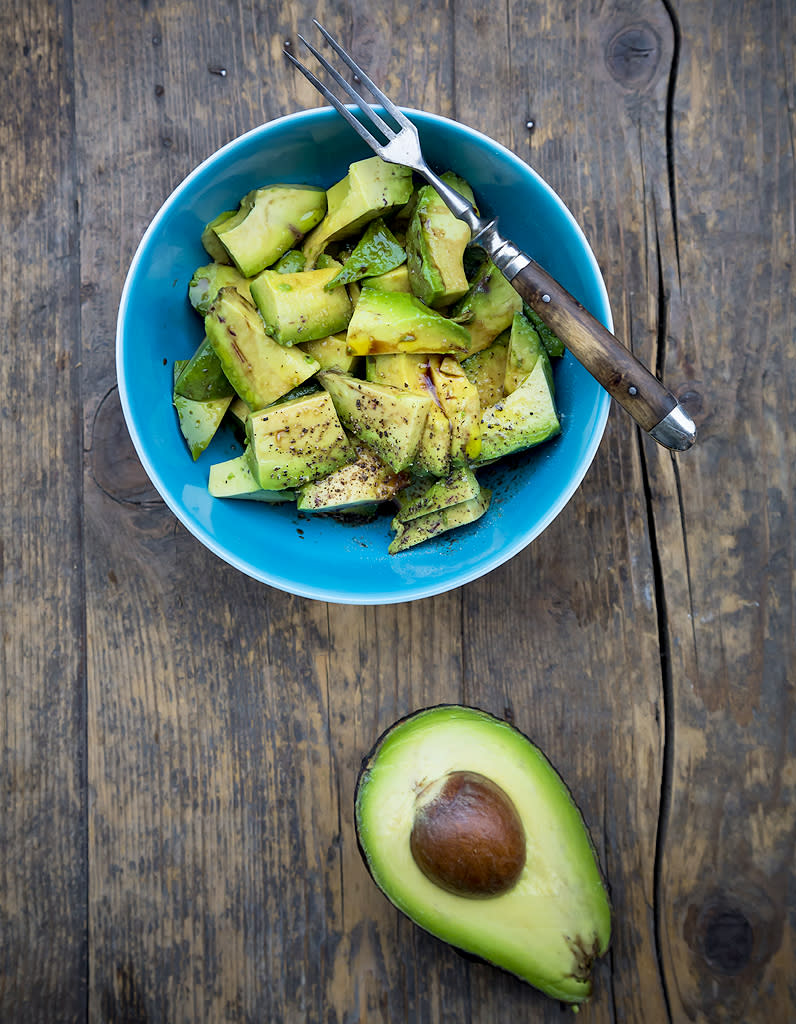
(626, 379)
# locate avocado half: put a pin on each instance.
(467, 829)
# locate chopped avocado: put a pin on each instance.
(297, 307)
(214, 249)
(208, 281)
(238, 412)
(306, 387)
(393, 281)
(372, 188)
(386, 418)
(420, 497)
(360, 483)
(323, 262)
(258, 368)
(331, 353)
(524, 418)
(377, 252)
(354, 291)
(488, 308)
(199, 420)
(399, 322)
(202, 378)
(233, 479)
(468, 829)
(270, 221)
(435, 244)
(461, 404)
(295, 442)
(550, 340)
(487, 370)
(433, 524)
(523, 351)
(409, 372)
(434, 450)
(291, 263)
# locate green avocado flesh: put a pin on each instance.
(372, 188)
(392, 322)
(270, 221)
(554, 919)
(367, 359)
(259, 368)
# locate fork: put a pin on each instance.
(626, 379)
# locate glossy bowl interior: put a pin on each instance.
(319, 557)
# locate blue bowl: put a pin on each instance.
(319, 557)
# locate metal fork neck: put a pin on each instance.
(484, 233)
(509, 259)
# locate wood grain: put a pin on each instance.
(43, 865)
(728, 856)
(179, 744)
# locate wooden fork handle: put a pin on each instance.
(626, 379)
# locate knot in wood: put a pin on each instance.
(633, 55)
(115, 466)
(727, 939)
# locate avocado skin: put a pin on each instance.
(365, 766)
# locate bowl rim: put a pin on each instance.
(417, 590)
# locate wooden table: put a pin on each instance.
(179, 744)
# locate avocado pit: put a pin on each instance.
(467, 836)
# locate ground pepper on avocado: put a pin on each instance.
(366, 357)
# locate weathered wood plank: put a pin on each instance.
(587, 682)
(226, 721)
(727, 873)
(42, 709)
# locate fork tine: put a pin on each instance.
(341, 109)
(363, 105)
(366, 80)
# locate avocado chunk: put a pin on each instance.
(434, 451)
(372, 188)
(433, 524)
(258, 367)
(551, 341)
(331, 353)
(297, 307)
(202, 378)
(461, 404)
(468, 829)
(435, 244)
(487, 370)
(292, 262)
(410, 372)
(208, 281)
(199, 419)
(361, 483)
(377, 252)
(214, 249)
(386, 418)
(238, 413)
(270, 221)
(396, 280)
(399, 322)
(420, 497)
(488, 308)
(524, 418)
(233, 479)
(525, 347)
(295, 442)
